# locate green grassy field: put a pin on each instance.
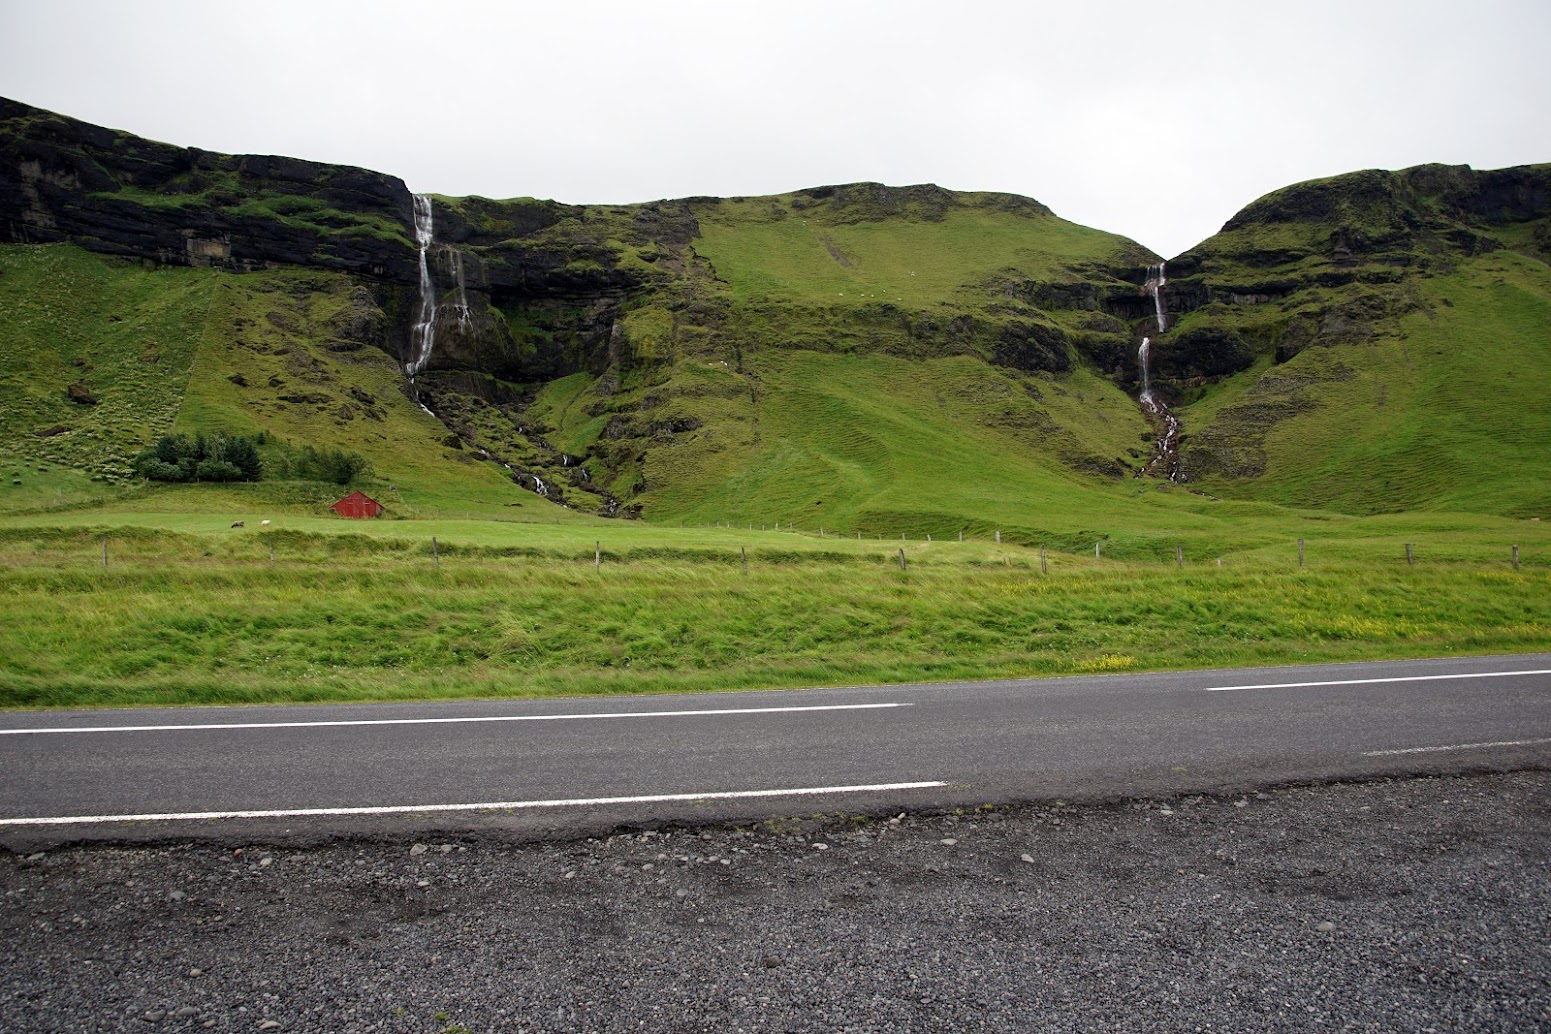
(189, 612)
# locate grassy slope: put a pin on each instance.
(159, 348)
(810, 417)
(1444, 412)
(768, 251)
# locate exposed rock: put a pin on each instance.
(81, 395)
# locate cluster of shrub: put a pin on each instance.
(204, 457)
(221, 457)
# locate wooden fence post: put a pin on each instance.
(1179, 556)
(1300, 552)
(436, 556)
(271, 552)
(597, 555)
(1042, 567)
(961, 535)
(105, 552)
(1096, 550)
(998, 536)
(1409, 558)
(1515, 558)
(902, 558)
(743, 551)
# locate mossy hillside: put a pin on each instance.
(124, 336)
(801, 248)
(1443, 411)
(1322, 358)
(181, 350)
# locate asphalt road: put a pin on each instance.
(572, 765)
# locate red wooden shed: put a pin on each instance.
(357, 504)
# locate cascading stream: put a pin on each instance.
(461, 306)
(423, 334)
(1166, 425)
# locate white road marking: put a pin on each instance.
(401, 809)
(448, 721)
(1455, 746)
(1369, 682)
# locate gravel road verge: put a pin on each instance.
(1402, 905)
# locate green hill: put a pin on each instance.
(858, 357)
(1372, 343)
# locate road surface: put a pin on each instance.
(570, 765)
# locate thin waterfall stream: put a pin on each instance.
(422, 336)
(1166, 426)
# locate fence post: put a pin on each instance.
(271, 552)
(1042, 558)
(1179, 556)
(928, 536)
(1096, 551)
(961, 535)
(902, 558)
(436, 556)
(998, 536)
(1300, 552)
(743, 551)
(1409, 558)
(858, 536)
(597, 555)
(105, 552)
(821, 531)
(1515, 558)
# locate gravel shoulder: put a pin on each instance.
(1397, 905)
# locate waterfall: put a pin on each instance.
(1165, 424)
(1143, 358)
(1154, 286)
(461, 307)
(539, 486)
(423, 334)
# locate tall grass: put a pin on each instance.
(183, 619)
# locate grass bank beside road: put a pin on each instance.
(183, 618)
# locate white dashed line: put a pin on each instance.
(1371, 682)
(410, 809)
(448, 721)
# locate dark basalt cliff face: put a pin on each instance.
(66, 180)
(111, 192)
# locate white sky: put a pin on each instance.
(1157, 121)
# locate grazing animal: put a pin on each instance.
(263, 524)
(238, 524)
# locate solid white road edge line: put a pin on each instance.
(1369, 682)
(401, 809)
(449, 721)
(1456, 746)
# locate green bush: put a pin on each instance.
(217, 457)
(218, 470)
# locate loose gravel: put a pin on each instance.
(1414, 905)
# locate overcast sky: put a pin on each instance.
(1154, 120)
